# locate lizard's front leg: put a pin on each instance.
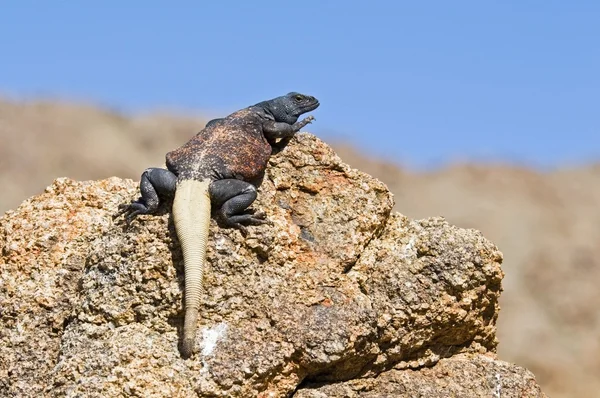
(298, 125)
(283, 131)
(154, 184)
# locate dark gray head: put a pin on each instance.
(289, 107)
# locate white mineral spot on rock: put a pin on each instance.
(410, 250)
(210, 337)
(220, 243)
(498, 390)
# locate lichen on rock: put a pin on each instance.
(336, 290)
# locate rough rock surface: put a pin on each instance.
(460, 376)
(336, 289)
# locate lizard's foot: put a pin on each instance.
(241, 221)
(298, 125)
(259, 218)
(258, 214)
(131, 210)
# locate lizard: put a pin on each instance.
(218, 169)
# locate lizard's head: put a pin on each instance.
(300, 103)
(289, 107)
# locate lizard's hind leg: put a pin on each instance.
(155, 183)
(232, 198)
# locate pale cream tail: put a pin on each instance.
(191, 215)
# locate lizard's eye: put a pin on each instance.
(298, 98)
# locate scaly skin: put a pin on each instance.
(191, 215)
(219, 167)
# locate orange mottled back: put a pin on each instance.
(233, 148)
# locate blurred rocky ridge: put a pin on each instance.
(544, 223)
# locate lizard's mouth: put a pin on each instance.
(311, 106)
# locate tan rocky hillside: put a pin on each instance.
(336, 298)
(546, 224)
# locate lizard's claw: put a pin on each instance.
(130, 211)
(261, 215)
(257, 214)
(307, 120)
(254, 217)
(241, 221)
(299, 125)
(259, 218)
(242, 229)
(122, 209)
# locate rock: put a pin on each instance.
(336, 289)
(460, 376)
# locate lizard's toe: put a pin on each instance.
(242, 229)
(240, 221)
(131, 210)
(261, 215)
(257, 221)
(257, 218)
(129, 217)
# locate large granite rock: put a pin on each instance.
(336, 298)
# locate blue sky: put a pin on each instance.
(417, 82)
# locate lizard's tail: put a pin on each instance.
(191, 214)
